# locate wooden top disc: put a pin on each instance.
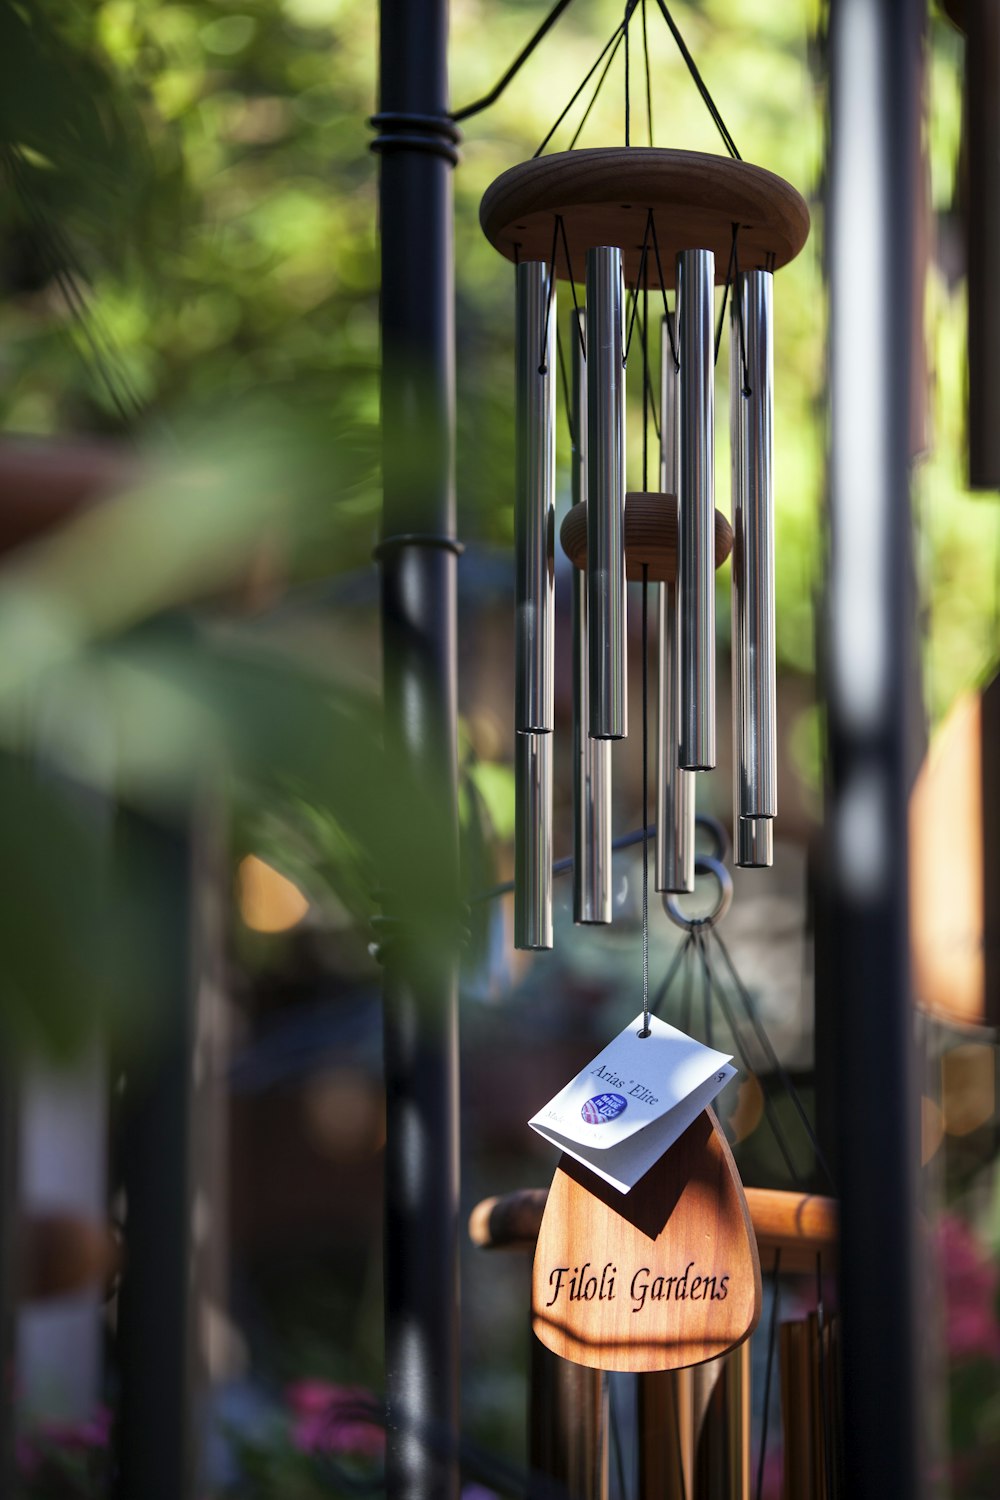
(604, 197)
(650, 536)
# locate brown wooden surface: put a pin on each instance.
(801, 1225)
(683, 1234)
(45, 483)
(650, 536)
(62, 1253)
(604, 197)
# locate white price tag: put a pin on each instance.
(628, 1106)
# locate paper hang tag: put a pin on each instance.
(628, 1106)
(664, 1277)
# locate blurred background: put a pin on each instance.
(195, 806)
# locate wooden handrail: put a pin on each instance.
(800, 1225)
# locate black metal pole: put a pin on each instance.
(872, 676)
(418, 555)
(154, 1438)
(982, 214)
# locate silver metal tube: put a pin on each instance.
(752, 425)
(606, 597)
(696, 507)
(591, 758)
(534, 505)
(533, 841)
(753, 842)
(674, 787)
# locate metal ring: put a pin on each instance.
(703, 865)
(719, 835)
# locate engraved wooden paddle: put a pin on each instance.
(664, 1276)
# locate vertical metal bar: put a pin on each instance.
(982, 209)
(873, 698)
(755, 734)
(591, 758)
(666, 1435)
(606, 597)
(567, 1426)
(675, 790)
(420, 985)
(696, 507)
(722, 1398)
(534, 508)
(154, 1335)
(533, 841)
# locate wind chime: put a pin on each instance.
(642, 219)
(647, 1255)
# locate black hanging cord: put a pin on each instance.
(522, 57)
(543, 368)
(730, 270)
(649, 81)
(738, 294)
(706, 966)
(567, 402)
(644, 335)
(700, 84)
(572, 283)
(628, 102)
(612, 45)
(663, 291)
(638, 283)
(741, 1048)
(620, 33)
(772, 1057)
(649, 384)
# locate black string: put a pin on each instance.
(725, 293)
(638, 283)
(773, 1059)
(706, 963)
(649, 83)
(663, 290)
(543, 368)
(688, 982)
(572, 283)
(700, 84)
(738, 294)
(565, 388)
(522, 57)
(628, 16)
(490, 98)
(644, 334)
(652, 400)
(772, 1331)
(678, 958)
(612, 43)
(645, 800)
(744, 1055)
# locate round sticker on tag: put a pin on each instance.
(603, 1107)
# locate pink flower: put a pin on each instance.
(93, 1433)
(335, 1419)
(970, 1289)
